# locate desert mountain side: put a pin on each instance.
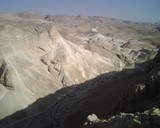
(61, 69)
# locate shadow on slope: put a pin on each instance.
(69, 106)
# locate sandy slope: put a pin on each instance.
(40, 55)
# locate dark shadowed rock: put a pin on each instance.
(147, 119)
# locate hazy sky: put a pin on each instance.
(134, 10)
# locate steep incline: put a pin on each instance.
(35, 60)
(53, 66)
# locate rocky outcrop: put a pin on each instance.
(147, 119)
(146, 94)
(139, 97)
(152, 82)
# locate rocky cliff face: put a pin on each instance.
(136, 98)
(46, 55)
(145, 94)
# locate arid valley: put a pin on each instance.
(65, 71)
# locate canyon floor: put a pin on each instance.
(56, 70)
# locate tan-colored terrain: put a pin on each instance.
(40, 55)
